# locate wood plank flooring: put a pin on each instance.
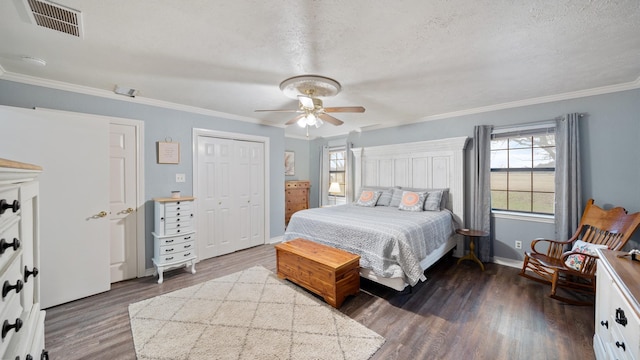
(458, 313)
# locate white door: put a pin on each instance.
(216, 230)
(123, 213)
(254, 153)
(73, 150)
(230, 196)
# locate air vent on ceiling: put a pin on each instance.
(55, 17)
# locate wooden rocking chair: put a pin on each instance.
(561, 267)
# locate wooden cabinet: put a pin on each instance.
(20, 314)
(174, 236)
(617, 320)
(296, 197)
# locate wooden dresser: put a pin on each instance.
(296, 197)
(617, 327)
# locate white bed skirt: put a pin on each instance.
(398, 283)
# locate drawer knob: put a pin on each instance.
(621, 318)
(44, 355)
(605, 323)
(7, 287)
(28, 273)
(29, 357)
(4, 245)
(621, 345)
(6, 327)
(4, 205)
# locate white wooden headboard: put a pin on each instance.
(426, 164)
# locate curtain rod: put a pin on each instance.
(541, 123)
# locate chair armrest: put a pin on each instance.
(555, 249)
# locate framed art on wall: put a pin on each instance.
(168, 153)
(289, 163)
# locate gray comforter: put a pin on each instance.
(390, 242)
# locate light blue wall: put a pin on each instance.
(160, 123)
(302, 160)
(609, 153)
(609, 135)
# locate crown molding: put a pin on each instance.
(85, 90)
(539, 100)
(196, 110)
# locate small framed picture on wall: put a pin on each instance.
(289, 163)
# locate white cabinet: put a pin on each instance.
(22, 321)
(174, 236)
(617, 327)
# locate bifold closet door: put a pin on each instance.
(230, 195)
(250, 192)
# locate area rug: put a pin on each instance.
(246, 315)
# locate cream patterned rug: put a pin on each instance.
(247, 315)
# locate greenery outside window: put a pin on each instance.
(337, 170)
(523, 170)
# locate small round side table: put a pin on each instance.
(472, 235)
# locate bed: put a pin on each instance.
(395, 246)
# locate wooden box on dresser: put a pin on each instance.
(20, 314)
(296, 197)
(617, 334)
(174, 235)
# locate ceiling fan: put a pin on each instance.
(307, 89)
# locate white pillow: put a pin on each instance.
(576, 261)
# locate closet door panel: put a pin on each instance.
(243, 193)
(230, 195)
(256, 187)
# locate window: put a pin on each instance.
(337, 170)
(523, 170)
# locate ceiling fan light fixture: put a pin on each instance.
(302, 122)
(311, 119)
(310, 85)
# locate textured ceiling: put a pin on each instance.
(404, 61)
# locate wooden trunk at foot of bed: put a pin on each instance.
(326, 271)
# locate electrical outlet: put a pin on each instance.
(518, 244)
(180, 178)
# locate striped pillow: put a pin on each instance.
(432, 203)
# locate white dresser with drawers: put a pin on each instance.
(174, 236)
(22, 320)
(617, 326)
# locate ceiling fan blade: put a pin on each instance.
(279, 110)
(295, 119)
(306, 102)
(330, 119)
(354, 109)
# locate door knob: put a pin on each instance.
(102, 214)
(129, 210)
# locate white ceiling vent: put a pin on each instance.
(55, 17)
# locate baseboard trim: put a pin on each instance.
(276, 240)
(508, 262)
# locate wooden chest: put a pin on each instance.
(329, 272)
(296, 197)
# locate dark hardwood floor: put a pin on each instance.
(458, 313)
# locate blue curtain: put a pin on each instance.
(481, 189)
(568, 196)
